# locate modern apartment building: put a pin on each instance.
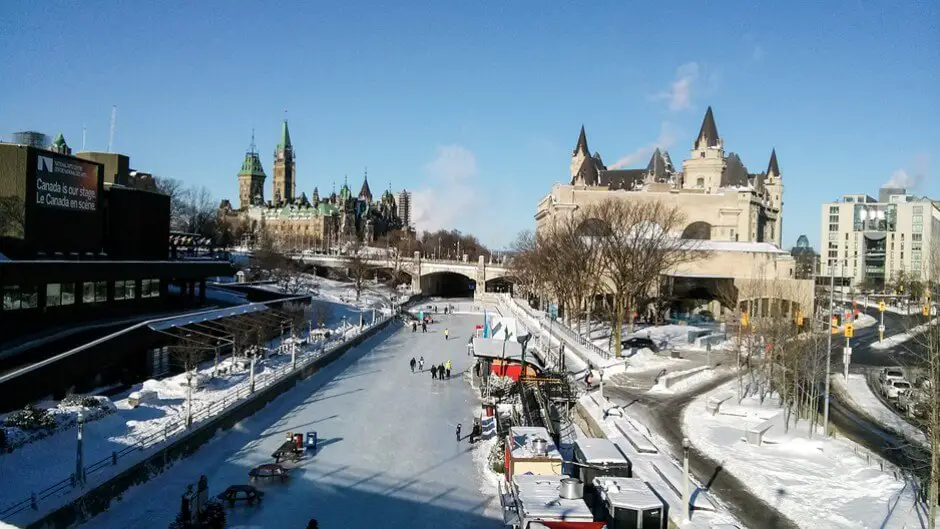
(872, 242)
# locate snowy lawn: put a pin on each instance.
(856, 389)
(815, 482)
(387, 453)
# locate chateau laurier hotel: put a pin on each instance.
(736, 216)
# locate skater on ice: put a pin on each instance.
(433, 372)
(413, 363)
(447, 367)
(440, 371)
(421, 364)
(446, 332)
(458, 431)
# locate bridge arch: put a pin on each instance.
(448, 283)
(698, 230)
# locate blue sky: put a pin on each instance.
(476, 106)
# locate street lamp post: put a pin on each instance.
(79, 453)
(686, 497)
(189, 398)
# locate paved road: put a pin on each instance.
(388, 455)
(667, 412)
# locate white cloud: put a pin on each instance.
(667, 136)
(679, 95)
(448, 192)
(909, 180)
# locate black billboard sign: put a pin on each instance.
(66, 183)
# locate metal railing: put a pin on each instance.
(569, 333)
(154, 436)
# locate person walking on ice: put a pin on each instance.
(458, 432)
(433, 372)
(446, 332)
(421, 364)
(447, 367)
(440, 371)
(413, 363)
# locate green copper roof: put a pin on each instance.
(59, 140)
(285, 137)
(252, 165)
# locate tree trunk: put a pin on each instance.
(618, 326)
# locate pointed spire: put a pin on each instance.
(365, 193)
(772, 167)
(708, 134)
(582, 145)
(251, 147)
(285, 137)
(59, 140)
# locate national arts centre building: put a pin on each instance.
(734, 215)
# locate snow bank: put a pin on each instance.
(682, 381)
(816, 482)
(898, 339)
(857, 390)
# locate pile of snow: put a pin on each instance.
(63, 416)
(857, 390)
(816, 482)
(690, 379)
(897, 339)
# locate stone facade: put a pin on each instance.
(720, 198)
(299, 222)
(737, 214)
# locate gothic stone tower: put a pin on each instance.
(707, 160)
(284, 169)
(773, 183)
(251, 179)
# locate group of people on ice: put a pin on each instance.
(437, 372)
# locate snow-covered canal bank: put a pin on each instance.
(388, 455)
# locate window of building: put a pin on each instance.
(833, 209)
(916, 237)
(833, 227)
(60, 294)
(125, 289)
(918, 210)
(834, 219)
(16, 297)
(149, 288)
(700, 183)
(833, 254)
(94, 291)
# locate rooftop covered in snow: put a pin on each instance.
(627, 493)
(599, 450)
(539, 498)
(523, 443)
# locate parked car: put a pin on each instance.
(893, 387)
(890, 373)
(640, 343)
(268, 472)
(241, 493)
(911, 402)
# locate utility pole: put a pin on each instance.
(189, 398)
(832, 293)
(111, 128)
(686, 496)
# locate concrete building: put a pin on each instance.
(404, 208)
(806, 258)
(871, 243)
(736, 214)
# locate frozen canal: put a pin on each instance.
(388, 456)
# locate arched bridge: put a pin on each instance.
(426, 274)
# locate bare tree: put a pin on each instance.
(12, 217)
(639, 248)
(357, 267)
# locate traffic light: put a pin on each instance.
(744, 319)
(849, 330)
(925, 310)
(881, 306)
(835, 325)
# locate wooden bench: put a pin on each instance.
(755, 434)
(713, 403)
